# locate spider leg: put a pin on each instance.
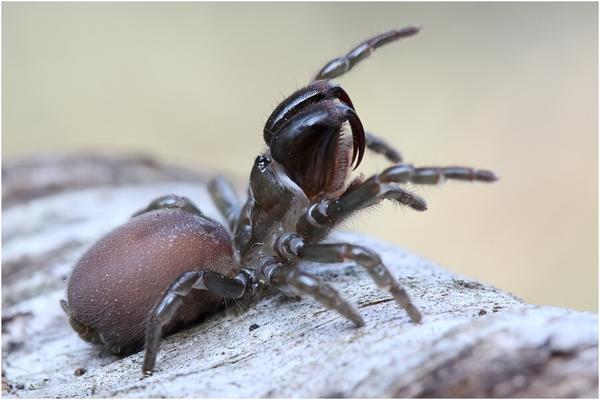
(170, 201)
(380, 146)
(340, 252)
(225, 198)
(166, 309)
(341, 65)
(403, 173)
(325, 294)
(322, 216)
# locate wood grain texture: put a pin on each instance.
(475, 340)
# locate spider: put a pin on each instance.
(171, 264)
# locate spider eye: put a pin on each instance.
(262, 162)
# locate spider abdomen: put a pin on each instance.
(119, 280)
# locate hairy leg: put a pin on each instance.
(322, 216)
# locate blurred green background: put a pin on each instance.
(508, 86)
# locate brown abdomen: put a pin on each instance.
(116, 284)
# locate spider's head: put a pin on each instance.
(319, 143)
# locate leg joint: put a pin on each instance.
(362, 256)
(289, 246)
(317, 215)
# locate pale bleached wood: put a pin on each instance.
(475, 340)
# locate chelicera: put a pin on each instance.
(170, 264)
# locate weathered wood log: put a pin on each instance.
(475, 340)
(44, 174)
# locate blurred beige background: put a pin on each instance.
(511, 87)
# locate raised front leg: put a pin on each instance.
(339, 66)
(166, 309)
(404, 173)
